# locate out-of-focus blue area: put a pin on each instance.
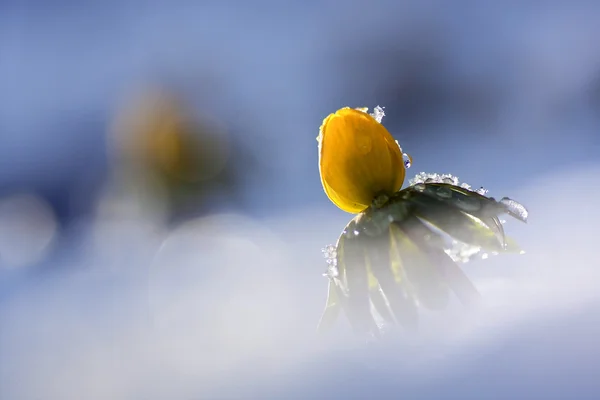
(97, 243)
(504, 84)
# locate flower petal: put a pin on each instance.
(358, 159)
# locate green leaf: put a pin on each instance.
(332, 309)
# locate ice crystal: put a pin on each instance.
(428, 177)
(330, 254)
(378, 113)
(515, 209)
(462, 252)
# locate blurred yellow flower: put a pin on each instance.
(359, 159)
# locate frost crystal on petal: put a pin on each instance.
(400, 147)
(378, 114)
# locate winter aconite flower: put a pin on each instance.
(398, 253)
(358, 159)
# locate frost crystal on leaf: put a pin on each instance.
(515, 208)
(462, 252)
(330, 254)
(458, 251)
(427, 177)
(400, 147)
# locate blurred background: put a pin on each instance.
(161, 213)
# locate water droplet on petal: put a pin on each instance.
(407, 160)
(484, 256)
(515, 209)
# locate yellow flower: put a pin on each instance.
(358, 159)
(396, 255)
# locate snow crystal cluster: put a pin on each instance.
(330, 254)
(462, 252)
(515, 208)
(427, 177)
(458, 251)
(378, 113)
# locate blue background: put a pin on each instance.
(222, 302)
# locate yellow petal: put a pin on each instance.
(358, 159)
